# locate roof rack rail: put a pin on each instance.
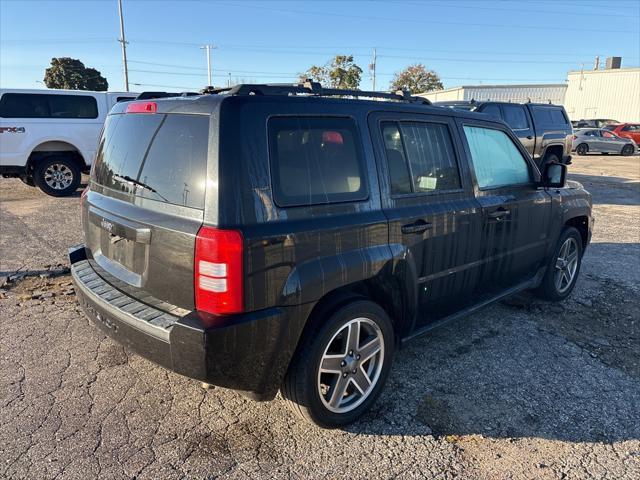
(313, 89)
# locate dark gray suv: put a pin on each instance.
(275, 237)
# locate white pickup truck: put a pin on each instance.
(49, 137)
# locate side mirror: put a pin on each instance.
(554, 175)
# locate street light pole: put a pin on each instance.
(123, 42)
(208, 49)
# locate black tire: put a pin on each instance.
(628, 150)
(58, 176)
(302, 384)
(549, 288)
(582, 149)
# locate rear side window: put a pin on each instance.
(37, 105)
(516, 117)
(421, 157)
(496, 159)
(162, 157)
(315, 160)
(493, 110)
(548, 115)
(629, 128)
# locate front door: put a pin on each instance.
(434, 219)
(516, 214)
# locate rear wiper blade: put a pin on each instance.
(127, 178)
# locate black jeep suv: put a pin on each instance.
(272, 237)
(544, 129)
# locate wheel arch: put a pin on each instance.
(48, 148)
(553, 149)
(580, 223)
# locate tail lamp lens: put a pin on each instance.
(142, 107)
(218, 271)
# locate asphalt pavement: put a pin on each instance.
(522, 389)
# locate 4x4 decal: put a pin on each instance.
(12, 129)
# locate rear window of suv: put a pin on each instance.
(162, 157)
(315, 160)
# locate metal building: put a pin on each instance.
(612, 93)
(541, 93)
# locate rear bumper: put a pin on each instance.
(249, 352)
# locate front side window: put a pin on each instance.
(37, 105)
(515, 117)
(421, 157)
(496, 159)
(315, 160)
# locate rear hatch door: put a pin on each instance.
(146, 204)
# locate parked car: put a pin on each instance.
(272, 237)
(48, 137)
(543, 129)
(596, 140)
(626, 130)
(593, 123)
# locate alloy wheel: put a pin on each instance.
(58, 176)
(566, 265)
(351, 365)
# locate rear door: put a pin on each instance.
(432, 214)
(517, 117)
(146, 202)
(515, 213)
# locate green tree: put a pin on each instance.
(71, 74)
(339, 72)
(417, 79)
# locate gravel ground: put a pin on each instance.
(523, 389)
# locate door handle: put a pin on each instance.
(418, 226)
(529, 137)
(499, 214)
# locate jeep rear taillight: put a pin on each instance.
(218, 271)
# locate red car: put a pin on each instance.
(626, 130)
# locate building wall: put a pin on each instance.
(612, 94)
(553, 93)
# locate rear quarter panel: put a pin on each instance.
(294, 255)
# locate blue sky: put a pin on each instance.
(464, 41)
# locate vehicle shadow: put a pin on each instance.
(609, 190)
(566, 371)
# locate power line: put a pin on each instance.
(420, 21)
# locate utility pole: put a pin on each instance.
(372, 67)
(123, 42)
(229, 80)
(208, 49)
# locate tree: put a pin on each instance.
(340, 72)
(71, 74)
(417, 79)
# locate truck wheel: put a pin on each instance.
(563, 268)
(627, 150)
(57, 176)
(341, 367)
(582, 149)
